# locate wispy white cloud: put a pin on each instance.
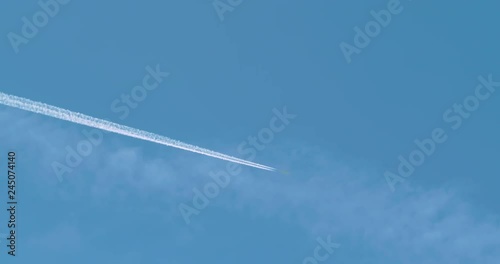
(323, 195)
(415, 226)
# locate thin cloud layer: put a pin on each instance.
(322, 196)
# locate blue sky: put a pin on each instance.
(228, 77)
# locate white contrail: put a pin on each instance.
(78, 118)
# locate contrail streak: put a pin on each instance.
(78, 118)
